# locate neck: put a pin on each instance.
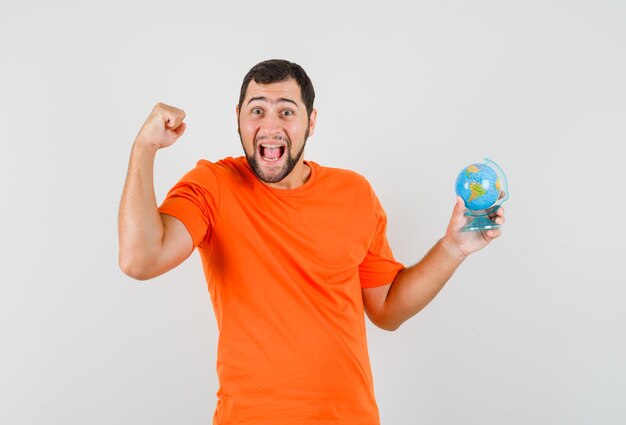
(298, 176)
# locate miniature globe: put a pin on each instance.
(483, 187)
(479, 186)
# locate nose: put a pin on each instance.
(271, 127)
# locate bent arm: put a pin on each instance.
(413, 288)
(150, 243)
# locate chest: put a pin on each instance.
(331, 232)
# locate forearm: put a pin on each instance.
(414, 287)
(140, 226)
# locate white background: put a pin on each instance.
(529, 330)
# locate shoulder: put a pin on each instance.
(223, 166)
(346, 184)
(227, 168)
(209, 174)
(341, 176)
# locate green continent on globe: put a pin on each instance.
(477, 190)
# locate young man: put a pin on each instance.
(294, 254)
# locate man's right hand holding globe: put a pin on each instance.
(464, 243)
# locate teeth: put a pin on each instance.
(271, 146)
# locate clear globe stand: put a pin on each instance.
(481, 219)
(485, 219)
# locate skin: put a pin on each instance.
(275, 113)
(413, 288)
(151, 243)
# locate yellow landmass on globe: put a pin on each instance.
(477, 191)
(471, 169)
(498, 187)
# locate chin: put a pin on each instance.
(269, 173)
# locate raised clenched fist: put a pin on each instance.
(163, 126)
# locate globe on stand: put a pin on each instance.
(483, 187)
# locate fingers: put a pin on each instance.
(163, 127)
(180, 129)
(492, 234)
(497, 215)
(171, 116)
(174, 120)
(500, 219)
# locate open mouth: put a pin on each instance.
(271, 152)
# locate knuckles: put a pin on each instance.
(164, 107)
(168, 113)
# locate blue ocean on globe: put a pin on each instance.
(479, 186)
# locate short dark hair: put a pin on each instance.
(276, 70)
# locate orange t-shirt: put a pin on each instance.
(285, 270)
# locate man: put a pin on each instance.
(293, 253)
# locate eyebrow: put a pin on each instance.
(263, 98)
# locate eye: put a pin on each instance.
(287, 112)
(257, 111)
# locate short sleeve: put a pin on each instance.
(379, 267)
(194, 200)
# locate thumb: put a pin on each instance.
(180, 129)
(459, 206)
(173, 122)
(458, 218)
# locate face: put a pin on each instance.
(273, 128)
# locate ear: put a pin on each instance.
(237, 118)
(312, 120)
